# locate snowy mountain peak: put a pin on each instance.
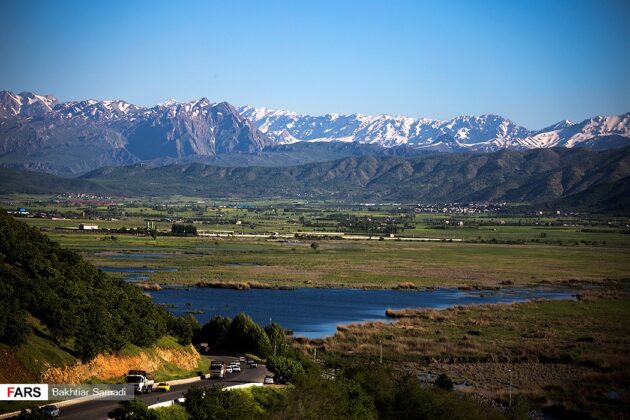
(168, 103)
(25, 104)
(384, 130)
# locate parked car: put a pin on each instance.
(228, 369)
(241, 359)
(268, 380)
(163, 386)
(50, 411)
(235, 367)
(253, 364)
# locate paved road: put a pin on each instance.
(98, 409)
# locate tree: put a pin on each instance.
(184, 328)
(132, 410)
(13, 326)
(315, 246)
(183, 230)
(244, 335)
(214, 332)
(277, 337)
(214, 403)
(286, 368)
(315, 397)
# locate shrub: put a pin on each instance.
(213, 403)
(132, 410)
(286, 368)
(444, 382)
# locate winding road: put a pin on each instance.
(98, 409)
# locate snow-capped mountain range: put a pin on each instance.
(39, 132)
(475, 133)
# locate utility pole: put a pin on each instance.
(381, 351)
(510, 370)
(315, 354)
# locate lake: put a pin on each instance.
(314, 313)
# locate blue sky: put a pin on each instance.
(535, 62)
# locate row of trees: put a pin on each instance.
(80, 306)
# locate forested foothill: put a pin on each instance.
(81, 307)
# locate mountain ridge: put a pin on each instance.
(517, 176)
(556, 176)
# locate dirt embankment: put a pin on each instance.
(104, 367)
(12, 370)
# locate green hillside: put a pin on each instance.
(532, 176)
(76, 306)
(27, 182)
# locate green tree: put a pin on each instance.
(13, 326)
(313, 397)
(216, 404)
(278, 338)
(284, 367)
(184, 328)
(245, 336)
(214, 332)
(132, 410)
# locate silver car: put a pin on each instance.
(50, 411)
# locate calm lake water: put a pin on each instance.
(313, 313)
(136, 269)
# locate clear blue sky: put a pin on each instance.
(535, 62)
